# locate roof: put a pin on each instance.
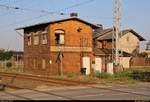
(148, 43)
(106, 52)
(62, 20)
(98, 32)
(106, 34)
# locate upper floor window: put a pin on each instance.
(104, 44)
(59, 37)
(36, 38)
(44, 36)
(29, 39)
(99, 44)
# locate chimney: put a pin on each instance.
(73, 14)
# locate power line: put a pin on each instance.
(25, 20)
(19, 33)
(44, 11)
(78, 4)
(23, 9)
(98, 17)
(48, 13)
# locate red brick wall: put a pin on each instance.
(71, 60)
(70, 63)
(72, 37)
(139, 61)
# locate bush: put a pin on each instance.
(103, 75)
(142, 76)
(123, 74)
(72, 75)
(9, 64)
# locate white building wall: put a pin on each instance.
(125, 62)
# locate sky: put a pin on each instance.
(135, 15)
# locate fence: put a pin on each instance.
(15, 65)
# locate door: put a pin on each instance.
(86, 64)
(98, 65)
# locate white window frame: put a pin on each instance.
(61, 34)
(44, 37)
(29, 39)
(36, 38)
(62, 39)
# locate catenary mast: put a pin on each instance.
(116, 31)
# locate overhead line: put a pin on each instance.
(78, 4)
(44, 11)
(24, 9)
(29, 19)
(49, 13)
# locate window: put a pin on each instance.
(29, 39)
(43, 63)
(127, 38)
(104, 43)
(61, 40)
(59, 37)
(34, 63)
(44, 37)
(36, 38)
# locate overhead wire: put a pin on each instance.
(43, 11)
(76, 5)
(23, 9)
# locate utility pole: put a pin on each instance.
(116, 31)
(61, 63)
(61, 60)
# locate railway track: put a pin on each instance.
(44, 79)
(34, 90)
(69, 98)
(117, 90)
(56, 81)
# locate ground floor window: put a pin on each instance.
(43, 63)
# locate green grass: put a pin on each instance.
(129, 76)
(11, 69)
(132, 74)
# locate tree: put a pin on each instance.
(5, 55)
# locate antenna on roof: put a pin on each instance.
(73, 14)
